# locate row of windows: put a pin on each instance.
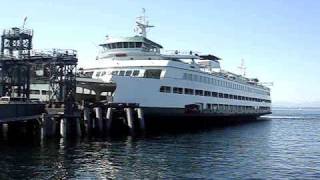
(124, 45)
(120, 45)
(217, 82)
(119, 73)
(198, 92)
(35, 91)
(149, 73)
(43, 92)
(234, 107)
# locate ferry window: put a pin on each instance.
(34, 91)
(194, 77)
(138, 44)
(226, 96)
(199, 92)
(207, 93)
(214, 94)
(98, 74)
(109, 46)
(188, 91)
(119, 45)
(165, 89)
(113, 45)
(44, 92)
(220, 95)
(201, 79)
(125, 45)
(128, 73)
(152, 73)
(177, 90)
(131, 44)
(121, 73)
(88, 74)
(103, 73)
(135, 73)
(208, 106)
(114, 72)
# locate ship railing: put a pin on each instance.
(181, 52)
(54, 52)
(17, 32)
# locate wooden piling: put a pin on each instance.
(141, 119)
(48, 126)
(98, 112)
(109, 119)
(130, 122)
(87, 120)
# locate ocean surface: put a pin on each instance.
(285, 145)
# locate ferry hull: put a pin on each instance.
(177, 118)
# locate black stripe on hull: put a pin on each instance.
(176, 118)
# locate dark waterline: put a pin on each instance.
(285, 146)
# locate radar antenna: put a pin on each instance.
(242, 68)
(142, 24)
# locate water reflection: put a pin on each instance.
(264, 149)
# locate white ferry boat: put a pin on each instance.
(176, 84)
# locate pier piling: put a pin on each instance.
(87, 119)
(130, 122)
(99, 118)
(48, 126)
(109, 119)
(141, 119)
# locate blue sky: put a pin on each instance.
(279, 39)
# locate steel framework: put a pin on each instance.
(15, 69)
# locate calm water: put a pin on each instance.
(287, 146)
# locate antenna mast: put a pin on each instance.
(24, 21)
(142, 24)
(242, 68)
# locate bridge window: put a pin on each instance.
(131, 44)
(125, 45)
(199, 92)
(98, 74)
(207, 93)
(214, 94)
(121, 73)
(177, 90)
(188, 91)
(152, 73)
(138, 44)
(135, 73)
(119, 45)
(114, 72)
(165, 89)
(128, 73)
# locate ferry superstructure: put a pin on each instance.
(175, 84)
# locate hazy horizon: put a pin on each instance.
(277, 39)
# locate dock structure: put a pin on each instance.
(62, 115)
(103, 118)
